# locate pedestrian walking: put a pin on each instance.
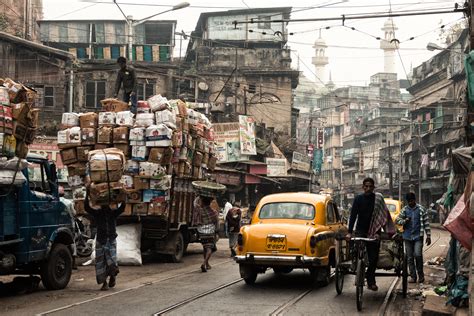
(205, 218)
(227, 207)
(127, 79)
(372, 215)
(105, 217)
(416, 224)
(233, 219)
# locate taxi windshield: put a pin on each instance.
(392, 208)
(289, 210)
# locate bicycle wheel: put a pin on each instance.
(405, 276)
(339, 273)
(360, 275)
(339, 279)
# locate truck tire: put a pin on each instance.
(178, 248)
(56, 270)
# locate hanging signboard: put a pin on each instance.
(318, 160)
(226, 136)
(51, 151)
(247, 135)
(300, 162)
(276, 167)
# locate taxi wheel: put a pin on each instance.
(320, 275)
(248, 273)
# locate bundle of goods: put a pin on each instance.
(163, 143)
(18, 125)
(18, 118)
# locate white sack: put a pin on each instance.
(128, 245)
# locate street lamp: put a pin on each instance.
(132, 24)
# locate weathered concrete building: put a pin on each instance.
(19, 17)
(43, 68)
(438, 114)
(244, 69)
(98, 43)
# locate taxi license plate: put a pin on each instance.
(276, 243)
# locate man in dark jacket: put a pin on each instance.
(127, 79)
(106, 265)
(233, 225)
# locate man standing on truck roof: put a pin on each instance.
(127, 79)
(105, 217)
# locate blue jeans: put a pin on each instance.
(127, 97)
(414, 251)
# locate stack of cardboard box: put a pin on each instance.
(18, 118)
(166, 145)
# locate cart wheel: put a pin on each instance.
(360, 275)
(405, 276)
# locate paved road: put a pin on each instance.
(155, 286)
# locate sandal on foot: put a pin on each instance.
(104, 287)
(203, 268)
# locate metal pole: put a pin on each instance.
(310, 139)
(400, 168)
(71, 89)
(421, 166)
(390, 171)
(340, 185)
(90, 40)
(130, 37)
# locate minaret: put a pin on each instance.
(320, 60)
(330, 85)
(389, 47)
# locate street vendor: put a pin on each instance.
(206, 220)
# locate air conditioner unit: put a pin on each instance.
(459, 118)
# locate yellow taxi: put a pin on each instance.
(288, 231)
(394, 206)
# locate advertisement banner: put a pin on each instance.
(276, 167)
(247, 135)
(227, 138)
(300, 162)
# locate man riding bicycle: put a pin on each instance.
(371, 213)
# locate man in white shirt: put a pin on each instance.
(227, 207)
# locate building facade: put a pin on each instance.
(18, 18)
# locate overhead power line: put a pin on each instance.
(344, 17)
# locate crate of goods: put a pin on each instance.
(106, 165)
(114, 105)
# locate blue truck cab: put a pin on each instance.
(36, 234)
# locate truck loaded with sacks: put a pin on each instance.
(147, 160)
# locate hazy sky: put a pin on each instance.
(354, 55)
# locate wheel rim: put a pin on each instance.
(60, 267)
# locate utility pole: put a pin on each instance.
(421, 164)
(245, 100)
(390, 171)
(310, 139)
(400, 167)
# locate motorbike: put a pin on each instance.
(82, 239)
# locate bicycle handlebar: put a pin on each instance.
(363, 239)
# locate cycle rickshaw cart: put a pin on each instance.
(353, 260)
